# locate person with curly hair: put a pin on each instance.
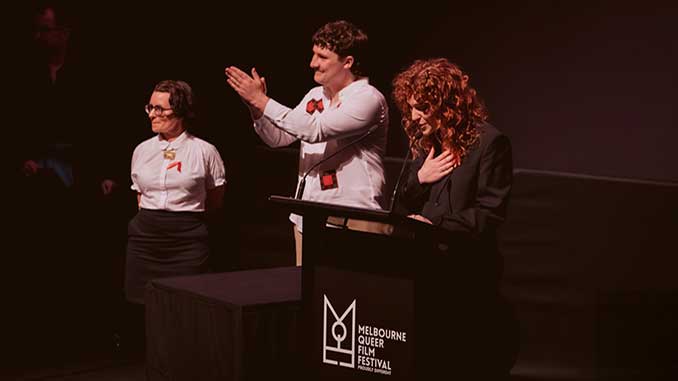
(460, 181)
(329, 120)
(463, 168)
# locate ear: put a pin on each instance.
(348, 62)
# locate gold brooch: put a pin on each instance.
(169, 154)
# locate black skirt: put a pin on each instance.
(163, 244)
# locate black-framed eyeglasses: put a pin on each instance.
(159, 110)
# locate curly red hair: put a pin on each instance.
(441, 88)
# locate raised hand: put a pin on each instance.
(252, 89)
(435, 168)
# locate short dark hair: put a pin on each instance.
(345, 39)
(181, 98)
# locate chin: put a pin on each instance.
(318, 78)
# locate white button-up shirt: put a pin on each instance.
(359, 169)
(179, 183)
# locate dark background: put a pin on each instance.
(584, 87)
(579, 87)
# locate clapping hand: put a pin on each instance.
(252, 89)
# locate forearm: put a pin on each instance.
(352, 118)
(257, 106)
(272, 135)
(474, 221)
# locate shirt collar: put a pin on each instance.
(351, 88)
(174, 144)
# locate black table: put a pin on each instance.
(225, 326)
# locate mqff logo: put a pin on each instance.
(338, 339)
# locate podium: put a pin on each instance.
(376, 305)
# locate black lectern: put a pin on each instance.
(369, 300)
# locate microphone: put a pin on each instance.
(302, 183)
(417, 136)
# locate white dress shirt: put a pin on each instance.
(359, 169)
(179, 183)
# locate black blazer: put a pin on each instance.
(473, 197)
(471, 201)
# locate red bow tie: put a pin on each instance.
(314, 105)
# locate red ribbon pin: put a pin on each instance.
(175, 164)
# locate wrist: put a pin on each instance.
(419, 177)
(255, 113)
(259, 104)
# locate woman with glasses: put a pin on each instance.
(179, 178)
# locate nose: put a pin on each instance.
(415, 115)
(313, 64)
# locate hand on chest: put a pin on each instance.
(452, 192)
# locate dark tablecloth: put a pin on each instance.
(226, 326)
